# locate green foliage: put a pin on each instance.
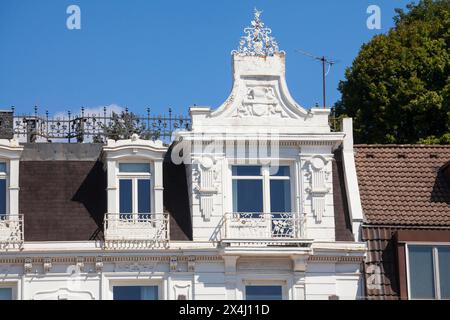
(124, 125)
(398, 87)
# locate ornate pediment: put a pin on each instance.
(259, 98)
(259, 101)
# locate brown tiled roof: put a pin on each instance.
(404, 184)
(380, 259)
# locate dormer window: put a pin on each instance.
(135, 193)
(11, 227)
(135, 197)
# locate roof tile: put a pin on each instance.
(410, 189)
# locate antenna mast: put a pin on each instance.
(325, 61)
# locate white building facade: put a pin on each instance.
(259, 172)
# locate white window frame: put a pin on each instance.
(12, 286)
(131, 283)
(436, 277)
(134, 177)
(5, 176)
(266, 178)
(262, 282)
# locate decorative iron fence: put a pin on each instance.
(136, 230)
(91, 127)
(264, 226)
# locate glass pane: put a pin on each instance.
(263, 293)
(126, 196)
(2, 166)
(283, 171)
(421, 278)
(246, 170)
(149, 293)
(247, 196)
(280, 195)
(134, 167)
(5, 293)
(444, 271)
(135, 293)
(2, 196)
(144, 196)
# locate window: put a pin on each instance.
(135, 293)
(256, 189)
(134, 190)
(5, 293)
(428, 272)
(3, 192)
(134, 167)
(263, 293)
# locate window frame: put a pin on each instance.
(6, 176)
(436, 274)
(12, 286)
(263, 283)
(138, 286)
(266, 178)
(135, 177)
(127, 282)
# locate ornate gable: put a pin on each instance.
(259, 97)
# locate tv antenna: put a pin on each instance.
(325, 62)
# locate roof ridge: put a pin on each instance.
(416, 146)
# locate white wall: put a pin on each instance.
(205, 282)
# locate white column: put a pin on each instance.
(299, 268)
(112, 186)
(158, 186)
(230, 276)
(13, 187)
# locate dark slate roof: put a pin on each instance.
(176, 198)
(404, 184)
(341, 213)
(62, 192)
(61, 151)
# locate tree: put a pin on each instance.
(398, 87)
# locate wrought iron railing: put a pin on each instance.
(264, 226)
(136, 230)
(11, 231)
(87, 126)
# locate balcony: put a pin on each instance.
(136, 231)
(11, 231)
(264, 229)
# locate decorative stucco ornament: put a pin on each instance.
(258, 40)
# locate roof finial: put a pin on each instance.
(258, 40)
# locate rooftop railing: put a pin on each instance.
(89, 127)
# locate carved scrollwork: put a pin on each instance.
(259, 101)
(205, 176)
(317, 176)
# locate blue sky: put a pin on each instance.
(160, 53)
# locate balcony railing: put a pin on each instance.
(283, 227)
(132, 230)
(11, 231)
